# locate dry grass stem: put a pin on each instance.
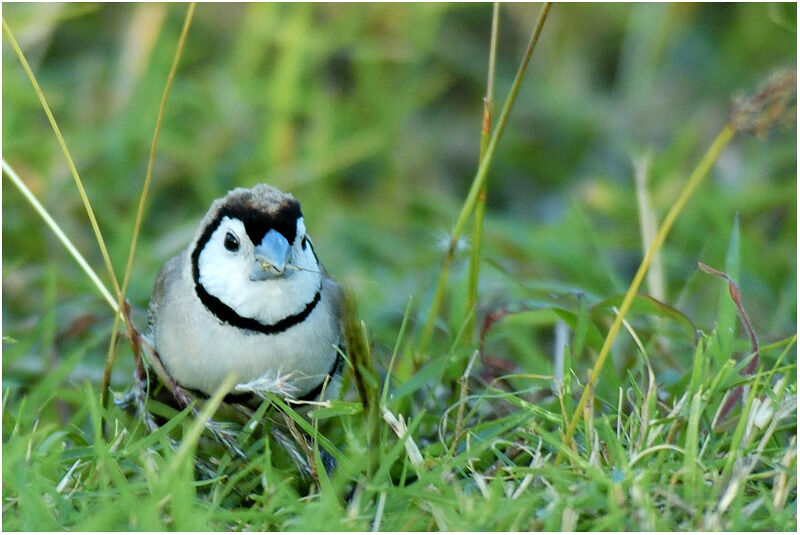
(87, 205)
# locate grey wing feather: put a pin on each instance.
(332, 288)
(169, 272)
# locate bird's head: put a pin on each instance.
(252, 254)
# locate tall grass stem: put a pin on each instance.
(477, 184)
(480, 207)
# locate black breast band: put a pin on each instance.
(225, 313)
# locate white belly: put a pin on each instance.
(199, 351)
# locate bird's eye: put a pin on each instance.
(231, 242)
(305, 242)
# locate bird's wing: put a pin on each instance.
(168, 275)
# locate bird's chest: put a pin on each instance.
(205, 350)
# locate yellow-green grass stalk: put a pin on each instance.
(480, 206)
(39, 93)
(112, 353)
(477, 183)
(695, 179)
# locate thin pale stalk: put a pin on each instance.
(59, 234)
(647, 226)
(112, 353)
(480, 207)
(39, 93)
(695, 179)
(462, 402)
(477, 184)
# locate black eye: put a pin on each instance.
(231, 242)
(305, 241)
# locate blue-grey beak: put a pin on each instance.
(271, 256)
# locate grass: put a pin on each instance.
(576, 404)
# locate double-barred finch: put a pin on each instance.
(249, 296)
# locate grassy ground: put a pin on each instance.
(371, 115)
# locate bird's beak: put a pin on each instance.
(271, 256)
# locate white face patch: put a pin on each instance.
(224, 272)
(302, 251)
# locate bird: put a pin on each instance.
(249, 296)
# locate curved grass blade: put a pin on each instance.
(92, 219)
(736, 297)
(648, 305)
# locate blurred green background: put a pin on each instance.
(370, 114)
